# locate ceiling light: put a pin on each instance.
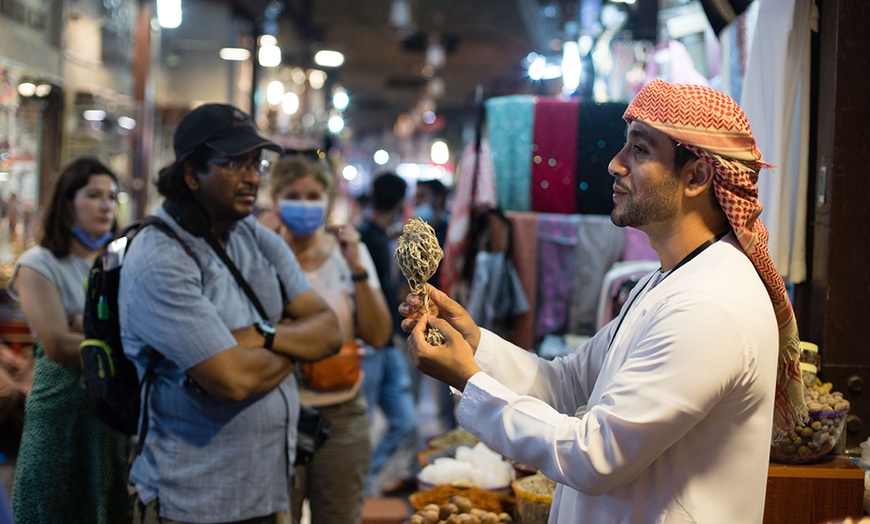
(439, 153)
(94, 115)
(435, 87)
(316, 78)
(435, 54)
(26, 88)
(349, 172)
(327, 58)
(290, 103)
(298, 76)
(267, 40)
(269, 56)
(570, 67)
(381, 157)
(126, 122)
(335, 124)
(536, 67)
(340, 100)
(169, 13)
(42, 90)
(400, 14)
(235, 54)
(274, 92)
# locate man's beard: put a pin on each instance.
(658, 204)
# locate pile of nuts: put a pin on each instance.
(827, 415)
(458, 511)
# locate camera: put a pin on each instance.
(313, 431)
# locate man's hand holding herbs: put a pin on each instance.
(452, 362)
(443, 307)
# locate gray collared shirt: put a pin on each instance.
(208, 460)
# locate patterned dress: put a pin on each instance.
(71, 467)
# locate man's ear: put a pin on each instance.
(698, 177)
(191, 177)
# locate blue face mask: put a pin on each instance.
(425, 212)
(302, 217)
(90, 242)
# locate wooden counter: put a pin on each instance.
(814, 493)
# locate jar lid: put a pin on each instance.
(809, 346)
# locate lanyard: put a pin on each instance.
(698, 250)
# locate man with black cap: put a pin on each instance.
(223, 407)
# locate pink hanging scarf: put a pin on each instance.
(711, 125)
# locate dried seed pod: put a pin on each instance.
(418, 255)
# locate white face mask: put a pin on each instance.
(425, 212)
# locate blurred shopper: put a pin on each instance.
(388, 381)
(341, 270)
(71, 467)
(430, 204)
(224, 405)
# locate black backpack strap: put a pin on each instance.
(151, 370)
(147, 381)
(165, 228)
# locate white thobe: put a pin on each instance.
(671, 424)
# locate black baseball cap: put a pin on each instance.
(221, 127)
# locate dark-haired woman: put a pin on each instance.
(71, 467)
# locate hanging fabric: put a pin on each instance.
(554, 155)
(510, 121)
(468, 195)
(525, 242)
(600, 137)
(557, 240)
(599, 245)
(776, 100)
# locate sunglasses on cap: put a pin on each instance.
(309, 154)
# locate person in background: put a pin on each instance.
(430, 204)
(341, 270)
(71, 467)
(388, 381)
(666, 414)
(224, 404)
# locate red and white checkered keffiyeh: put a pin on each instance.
(711, 125)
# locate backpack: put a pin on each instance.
(109, 377)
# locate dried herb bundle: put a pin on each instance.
(418, 255)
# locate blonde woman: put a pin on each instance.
(340, 268)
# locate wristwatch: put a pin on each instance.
(265, 328)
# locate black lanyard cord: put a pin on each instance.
(698, 250)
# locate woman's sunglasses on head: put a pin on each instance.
(309, 154)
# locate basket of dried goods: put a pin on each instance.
(443, 501)
(534, 495)
(454, 437)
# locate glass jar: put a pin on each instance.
(811, 363)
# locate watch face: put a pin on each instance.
(267, 327)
